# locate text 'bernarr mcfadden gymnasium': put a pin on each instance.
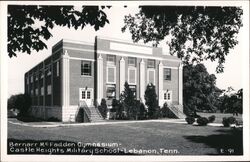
(80, 74)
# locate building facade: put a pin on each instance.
(80, 71)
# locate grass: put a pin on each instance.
(187, 139)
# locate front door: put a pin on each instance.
(86, 95)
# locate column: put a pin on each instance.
(99, 79)
(180, 85)
(65, 84)
(122, 74)
(142, 80)
(160, 89)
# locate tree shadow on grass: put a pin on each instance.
(228, 142)
(59, 147)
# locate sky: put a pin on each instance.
(17, 66)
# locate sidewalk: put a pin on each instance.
(60, 124)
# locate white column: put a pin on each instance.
(180, 84)
(99, 79)
(65, 84)
(160, 89)
(122, 74)
(142, 80)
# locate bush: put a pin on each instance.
(22, 102)
(202, 121)
(164, 110)
(228, 121)
(211, 119)
(28, 119)
(190, 120)
(53, 119)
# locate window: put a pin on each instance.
(86, 68)
(167, 74)
(42, 91)
(131, 61)
(31, 79)
(36, 91)
(83, 95)
(48, 71)
(88, 95)
(27, 80)
(57, 68)
(49, 90)
(31, 92)
(111, 75)
(111, 59)
(167, 95)
(36, 77)
(151, 76)
(132, 75)
(151, 63)
(133, 89)
(41, 75)
(111, 91)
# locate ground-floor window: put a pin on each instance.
(133, 89)
(111, 88)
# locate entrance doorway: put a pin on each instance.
(86, 94)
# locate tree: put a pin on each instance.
(151, 101)
(199, 89)
(103, 108)
(22, 102)
(129, 101)
(24, 36)
(142, 111)
(232, 102)
(193, 33)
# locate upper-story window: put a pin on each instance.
(31, 79)
(41, 75)
(48, 89)
(48, 71)
(167, 74)
(131, 75)
(57, 68)
(86, 68)
(42, 91)
(151, 63)
(131, 61)
(111, 59)
(111, 75)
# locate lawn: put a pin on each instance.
(186, 139)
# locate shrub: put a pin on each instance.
(228, 121)
(53, 119)
(164, 110)
(211, 119)
(190, 120)
(202, 121)
(22, 102)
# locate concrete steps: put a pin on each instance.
(95, 115)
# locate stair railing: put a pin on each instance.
(176, 111)
(85, 107)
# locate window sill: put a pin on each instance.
(87, 76)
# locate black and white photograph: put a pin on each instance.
(124, 80)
